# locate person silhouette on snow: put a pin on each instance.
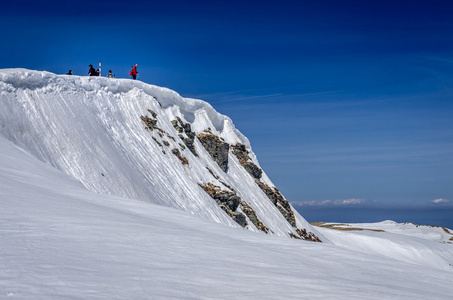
(92, 71)
(69, 73)
(110, 75)
(134, 72)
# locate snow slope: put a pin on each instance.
(93, 129)
(423, 245)
(61, 241)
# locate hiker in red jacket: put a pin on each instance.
(134, 72)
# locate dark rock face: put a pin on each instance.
(308, 236)
(239, 218)
(285, 209)
(217, 149)
(189, 144)
(182, 128)
(253, 170)
(228, 201)
(281, 203)
(243, 156)
(251, 214)
(150, 122)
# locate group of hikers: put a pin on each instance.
(93, 72)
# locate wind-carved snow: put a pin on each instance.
(58, 240)
(93, 129)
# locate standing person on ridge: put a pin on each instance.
(92, 71)
(134, 72)
(110, 75)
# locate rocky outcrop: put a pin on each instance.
(151, 125)
(217, 148)
(251, 214)
(228, 201)
(307, 236)
(285, 209)
(149, 122)
(185, 128)
(244, 159)
(281, 203)
(183, 160)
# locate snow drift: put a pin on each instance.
(138, 141)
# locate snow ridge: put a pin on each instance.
(134, 140)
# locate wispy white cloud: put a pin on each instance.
(342, 202)
(248, 98)
(440, 200)
(241, 96)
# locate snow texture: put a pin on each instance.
(69, 232)
(61, 241)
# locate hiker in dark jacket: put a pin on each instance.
(92, 71)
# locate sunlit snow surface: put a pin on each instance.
(59, 240)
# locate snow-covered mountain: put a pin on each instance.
(138, 141)
(96, 203)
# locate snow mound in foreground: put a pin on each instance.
(61, 241)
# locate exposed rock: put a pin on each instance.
(189, 142)
(182, 127)
(176, 152)
(152, 113)
(244, 159)
(217, 149)
(177, 127)
(157, 141)
(212, 173)
(228, 201)
(281, 203)
(150, 122)
(294, 236)
(251, 214)
(308, 236)
(239, 218)
(285, 209)
(241, 153)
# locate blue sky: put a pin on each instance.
(346, 103)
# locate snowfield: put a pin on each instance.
(67, 234)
